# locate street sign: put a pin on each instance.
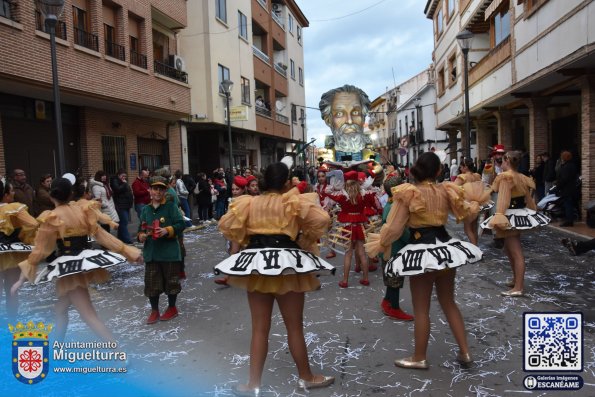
(239, 113)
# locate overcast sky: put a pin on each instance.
(361, 43)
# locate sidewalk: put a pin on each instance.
(579, 230)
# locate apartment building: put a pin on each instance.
(120, 96)
(403, 119)
(530, 76)
(258, 45)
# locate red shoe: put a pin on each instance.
(364, 282)
(343, 284)
(170, 313)
(221, 281)
(330, 255)
(153, 317)
(358, 268)
(374, 260)
(372, 268)
(182, 275)
(398, 314)
(385, 305)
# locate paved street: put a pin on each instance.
(205, 350)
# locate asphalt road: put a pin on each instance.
(204, 351)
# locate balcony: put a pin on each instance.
(281, 70)
(261, 55)
(263, 111)
(281, 118)
(86, 39)
(171, 72)
(41, 26)
(137, 59)
(490, 61)
(277, 18)
(115, 50)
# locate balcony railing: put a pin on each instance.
(493, 59)
(41, 26)
(86, 39)
(278, 19)
(115, 50)
(282, 118)
(137, 59)
(259, 54)
(171, 72)
(282, 70)
(263, 111)
(263, 3)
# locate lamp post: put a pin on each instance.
(303, 124)
(226, 86)
(418, 132)
(51, 11)
(464, 38)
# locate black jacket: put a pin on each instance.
(566, 182)
(204, 194)
(123, 197)
(549, 170)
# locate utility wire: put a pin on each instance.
(350, 14)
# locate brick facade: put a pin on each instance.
(538, 127)
(504, 117)
(588, 139)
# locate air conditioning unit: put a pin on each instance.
(177, 62)
(276, 8)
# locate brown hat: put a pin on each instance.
(159, 181)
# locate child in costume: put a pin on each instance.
(432, 254)
(390, 304)
(353, 201)
(515, 211)
(276, 266)
(17, 229)
(160, 224)
(67, 229)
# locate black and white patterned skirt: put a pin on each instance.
(86, 260)
(520, 219)
(431, 249)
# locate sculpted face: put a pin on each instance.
(347, 111)
(347, 122)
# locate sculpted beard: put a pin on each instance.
(353, 141)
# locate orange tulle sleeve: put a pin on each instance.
(51, 228)
(233, 223)
(313, 222)
(403, 198)
(503, 185)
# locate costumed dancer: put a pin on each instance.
(372, 212)
(276, 267)
(238, 188)
(252, 188)
(325, 202)
(515, 211)
(67, 229)
(474, 190)
(432, 255)
(353, 201)
(390, 304)
(17, 230)
(161, 222)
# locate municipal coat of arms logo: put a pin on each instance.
(30, 351)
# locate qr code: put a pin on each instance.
(553, 341)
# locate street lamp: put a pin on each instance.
(464, 38)
(226, 86)
(418, 132)
(51, 11)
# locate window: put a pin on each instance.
(114, 153)
(400, 129)
(451, 8)
(302, 117)
(221, 10)
(452, 69)
(245, 91)
(82, 36)
(243, 25)
(501, 23)
(5, 9)
(292, 68)
(290, 22)
(79, 19)
(299, 34)
(293, 113)
(301, 76)
(439, 22)
(441, 86)
(223, 75)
